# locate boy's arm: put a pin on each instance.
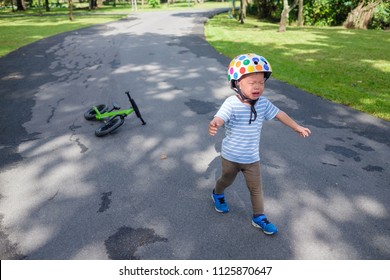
(215, 124)
(286, 120)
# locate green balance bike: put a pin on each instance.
(112, 118)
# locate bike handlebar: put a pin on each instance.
(135, 107)
(128, 95)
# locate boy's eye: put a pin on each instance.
(258, 83)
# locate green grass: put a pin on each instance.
(350, 67)
(21, 31)
(18, 29)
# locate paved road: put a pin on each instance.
(144, 192)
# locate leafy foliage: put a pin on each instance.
(154, 3)
(321, 12)
(381, 19)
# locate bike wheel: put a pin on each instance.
(109, 127)
(91, 113)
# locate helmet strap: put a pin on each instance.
(253, 111)
(253, 115)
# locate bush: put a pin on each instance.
(269, 10)
(381, 19)
(321, 12)
(154, 3)
(326, 12)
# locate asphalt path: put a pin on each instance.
(143, 192)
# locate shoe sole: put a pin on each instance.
(219, 211)
(266, 232)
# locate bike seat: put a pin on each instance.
(116, 106)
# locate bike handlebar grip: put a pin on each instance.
(129, 96)
(135, 107)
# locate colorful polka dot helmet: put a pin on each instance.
(245, 64)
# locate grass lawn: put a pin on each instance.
(21, 31)
(18, 29)
(351, 67)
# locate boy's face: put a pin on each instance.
(252, 85)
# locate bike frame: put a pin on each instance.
(105, 115)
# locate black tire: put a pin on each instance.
(91, 114)
(109, 127)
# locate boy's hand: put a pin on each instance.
(213, 128)
(286, 120)
(214, 125)
(303, 131)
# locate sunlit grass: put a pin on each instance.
(350, 67)
(18, 29)
(21, 31)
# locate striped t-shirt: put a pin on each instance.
(242, 140)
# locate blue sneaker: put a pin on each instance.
(220, 203)
(266, 226)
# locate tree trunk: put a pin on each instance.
(70, 10)
(20, 5)
(360, 17)
(285, 14)
(93, 4)
(242, 11)
(283, 18)
(39, 8)
(300, 13)
(47, 5)
(233, 8)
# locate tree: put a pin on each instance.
(70, 10)
(361, 16)
(47, 5)
(21, 6)
(285, 14)
(300, 13)
(242, 14)
(94, 4)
